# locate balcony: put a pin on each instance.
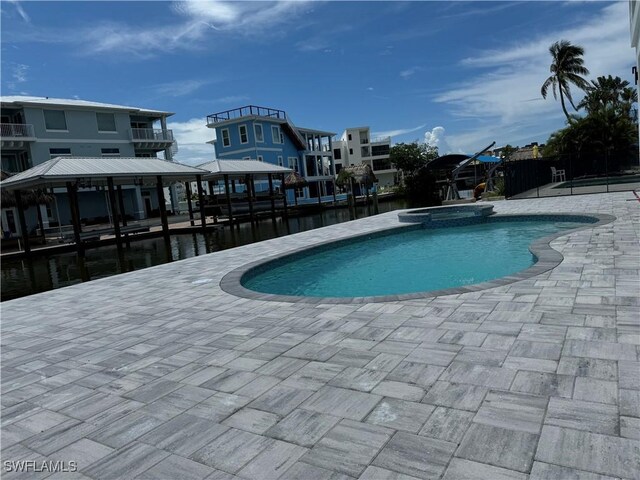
(14, 135)
(249, 110)
(381, 140)
(152, 139)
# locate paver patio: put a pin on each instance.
(159, 373)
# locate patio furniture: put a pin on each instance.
(558, 175)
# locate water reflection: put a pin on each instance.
(25, 277)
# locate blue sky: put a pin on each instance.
(456, 74)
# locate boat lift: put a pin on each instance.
(452, 188)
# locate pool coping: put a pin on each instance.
(547, 259)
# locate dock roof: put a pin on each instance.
(241, 167)
(95, 171)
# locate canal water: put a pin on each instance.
(26, 277)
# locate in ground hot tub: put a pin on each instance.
(447, 216)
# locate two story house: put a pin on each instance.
(356, 146)
(268, 135)
(36, 129)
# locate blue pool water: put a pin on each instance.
(407, 261)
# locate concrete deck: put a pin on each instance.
(160, 374)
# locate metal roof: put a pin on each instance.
(20, 100)
(95, 171)
(241, 167)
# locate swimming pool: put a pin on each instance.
(412, 259)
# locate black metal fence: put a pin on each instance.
(570, 175)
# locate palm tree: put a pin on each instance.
(566, 68)
(604, 93)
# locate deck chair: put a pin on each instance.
(558, 175)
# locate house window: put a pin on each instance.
(257, 129)
(106, 122)
(280, 161)
(226, 141)
(244, 138)
(55, 120)
(260, 158)
(337, 153)
(293, 163)
(246, 158)
(349, 137)
(59, 152)
(351, 151)
(110, 152)
(275, 134)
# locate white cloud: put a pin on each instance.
(409, 72)
(395, 133)
(20, 73)
(20, 10)
(196, 22)
(192, 136)
(231, 99)
(179, 87)
(506, 101)
(436, 138)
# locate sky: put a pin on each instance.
(454, 74)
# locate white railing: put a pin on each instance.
(381, 140)
(13, 130)
(151, 135)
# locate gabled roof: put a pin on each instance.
(96, 170)
(20, 100)
(217, 168)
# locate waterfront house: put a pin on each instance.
(355, 146)
(269, 135)
(34, 130)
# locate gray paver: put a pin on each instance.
(281, 399)
(593, 452)
(461, 469)
(303, 427)
(77, 371)
(447, 424)
(273, 461)
(509, 449)
(342, 403)
(349, 447)
(456, 395)
(545, 471)
(405, 453)
(250, 420)
(184, 434)
(593, 417)
(512, 411)
(400, 414)
(232, 450)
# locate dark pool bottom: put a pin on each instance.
(411, 262)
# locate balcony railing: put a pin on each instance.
(381, 140)
(16, 130)
(248, 110)
(151, 135)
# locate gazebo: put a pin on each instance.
(110, 172)
(246, 170)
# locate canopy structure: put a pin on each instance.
(453, 160)
(457, 162)
(294, 180)
(85, 172)
(362, 174)
(95, 171)
(218, 168)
